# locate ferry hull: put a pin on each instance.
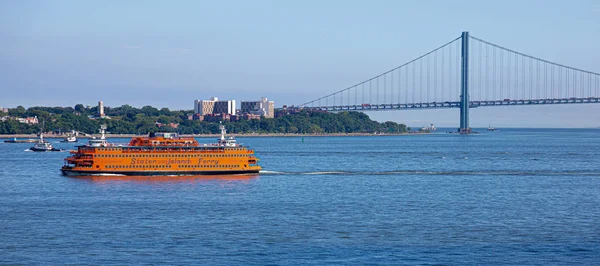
(70, 172)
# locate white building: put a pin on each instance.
(264, 107)
(28, 120)
(214, 106)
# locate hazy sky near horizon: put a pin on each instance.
(168, 53)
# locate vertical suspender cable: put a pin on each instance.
(560, 83)
(399, 85)
(384, 88)
(414, 80)
(508, 81)
(566, 85)
(494, 81)
(515, 84)
(363, 92)
(589, 85)
(406, 84)
(449, 87)
(487, 72)
(581, 84)
(576, 84)
(523, 78)
(378, 91)
(552, 81)
(442, 76)
(545, 81)
(427, 80)
(501, 74)
(480, 71)
(392, 88)
(538, 84)
(458, 69)
(434, 76)
(530, 79)
(421, 81)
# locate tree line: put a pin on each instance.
(130, 120)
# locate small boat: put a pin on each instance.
(69, 138)
(43, 145)
(490, 128)
(428, 128)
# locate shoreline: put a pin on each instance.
(52, 136)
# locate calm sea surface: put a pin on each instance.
(514, 196)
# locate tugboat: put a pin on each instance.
(161, 154)
(43, 145)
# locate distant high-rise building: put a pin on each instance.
(100, 109)
(264, 107)
(214, 106)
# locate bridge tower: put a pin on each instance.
(464, 86)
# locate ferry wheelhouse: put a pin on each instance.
(161, 154)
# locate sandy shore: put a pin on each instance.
(34, 136)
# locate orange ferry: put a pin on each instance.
(161, 154)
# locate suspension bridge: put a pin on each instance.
(467, 72)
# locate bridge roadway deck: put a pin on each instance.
(453, 104)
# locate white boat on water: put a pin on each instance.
(70, 138)
(429, 128)
(490, 128)
(43, 145)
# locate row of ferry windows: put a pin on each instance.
(138, 166)
(168, 166)
(210, 166)
(168, 155)
(119, 149)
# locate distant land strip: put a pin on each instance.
(55, 136)
(129, 120)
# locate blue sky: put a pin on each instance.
(168, 53)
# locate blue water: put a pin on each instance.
(508, 197)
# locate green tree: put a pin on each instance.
(149, 110)
(315, 129)
(81, 109)
(164, 111)
(164, 119)
(17, 112)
